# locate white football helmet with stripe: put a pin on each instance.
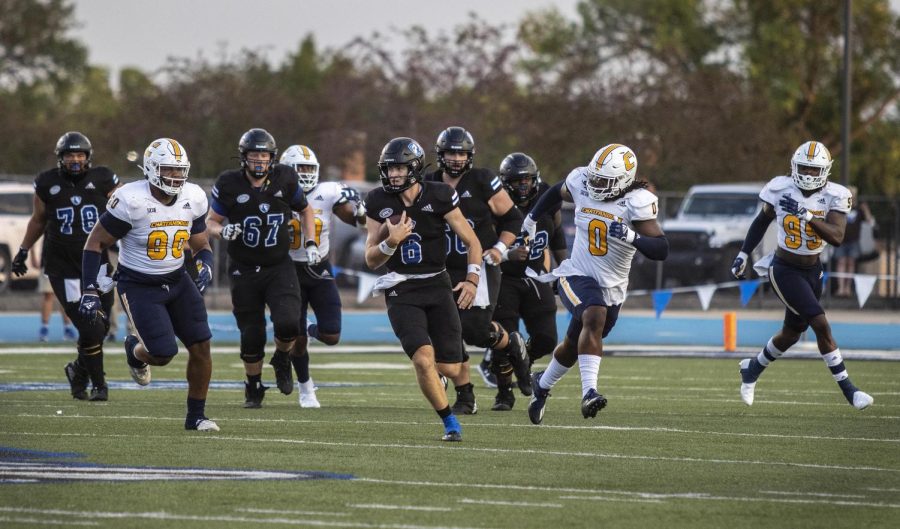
(303, 160)
(166, 165)
(815, 155)
(611, 171)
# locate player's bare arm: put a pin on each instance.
(469, 286)
(215, 223)
(36, 224)
(345, 212)
(831, 228)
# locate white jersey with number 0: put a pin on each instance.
(159, 233)
(322, 199)
(594, 253)
(794, 234)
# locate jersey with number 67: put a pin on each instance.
(153, 235)
(322, 199)
(594, 253)
(794, 234)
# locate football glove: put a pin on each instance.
(529, 227)
(622, 232)
(204, 276)
(348, 193)
(89, 306)
(231, 232)
(18, 265)
(739, 266)
(789, 205)
(312, 253)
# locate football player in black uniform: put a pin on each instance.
(68, 200)
(521, 296)
(489, 210)
(408, 235)
(251, 209)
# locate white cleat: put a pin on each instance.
(141, 375)
(747, 388)
(862, 400)
(207, 425)
(308, 395)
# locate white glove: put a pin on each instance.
(739, 266)
(312, 254)
(529, 226)
(231, 232)
(359, 209)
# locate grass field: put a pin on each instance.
(674, 448)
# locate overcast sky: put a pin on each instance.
(145, 33)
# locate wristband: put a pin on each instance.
(502, 248)
(386, 248)
(474, 269)
(310, 243)
(471, 282)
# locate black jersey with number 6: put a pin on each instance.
(475, 188)
(73, 205)
(425, 250)
(264, 214)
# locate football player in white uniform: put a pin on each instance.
(153, 219)
(615, 215)
(317, 286)
(811, 213)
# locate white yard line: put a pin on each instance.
(386, 507)
(509, 503)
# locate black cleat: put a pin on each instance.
(452, 437)
(518, 357)
(465, 401)
(99, 393)
(284, 377)
(78, 380)
(592, 403)
(504, 400)
(253, 396)
(538, 400)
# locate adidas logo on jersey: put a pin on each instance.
(236, 273)
(318, 197)
(393, 293)
(90, 185)
(278, 194)
(428, 208)
(466, 194)
(621, 204)
(187, 205)
(822, 200)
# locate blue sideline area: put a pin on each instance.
(374, 327)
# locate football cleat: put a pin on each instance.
(201, 424)
(44, 334)
(452, 430)
(504, 400)
(484, 369)
(254, 395)
(78, 380)
(538, 399)
(140, 375)
(518, 357)
(99, 393)
(748, 382)
(862, 400)
(284, 377)
(308, 395)
(592, 403)
(69, 334)
(465, 401)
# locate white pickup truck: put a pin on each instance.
(15, 210)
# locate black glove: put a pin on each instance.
(18, 265)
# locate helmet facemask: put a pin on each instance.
(412, 176)
(811, 165)
(166, 166)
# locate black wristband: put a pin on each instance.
(310, 243)
(472, 282)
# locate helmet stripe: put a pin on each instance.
(305, 150)
(604, 154)
(177, 149)
(811, 152)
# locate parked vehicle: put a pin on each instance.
(15, 210)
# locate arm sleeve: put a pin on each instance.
(654, 248)
(756, 232)
(558, 239)
(549, 201)
(199, 225)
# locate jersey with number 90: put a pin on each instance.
(794, 234)
(322, 199)
(594, 253)
(156, 241)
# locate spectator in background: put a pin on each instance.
(845, 256)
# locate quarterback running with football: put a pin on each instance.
(317, 286)
(615, 215)
(811, 213)
(153, 220)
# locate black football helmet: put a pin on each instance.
(520, 177)
(401, 151)
(456, 139)
(257, 140)
(73, 141)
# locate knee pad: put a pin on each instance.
(500, 364)
(253, 344)
(480, 336)
(286, 330)
(91, 333)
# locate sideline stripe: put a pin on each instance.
(527, 451)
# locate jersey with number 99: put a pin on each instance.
(594, 253)
(155, 243)
(795, 234)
